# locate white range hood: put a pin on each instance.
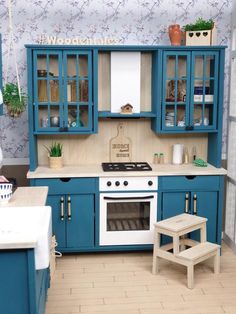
(125, 80)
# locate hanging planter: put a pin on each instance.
(200, 33)
(14, 100)
(13, 97)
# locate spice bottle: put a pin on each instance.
(155, 159)
(161, 158)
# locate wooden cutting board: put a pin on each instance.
(120, 146)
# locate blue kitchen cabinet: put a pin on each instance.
(196, 195)
(23, 288)
(192, 90)
(73, 211)
(60, 85)
(73, 221)
(203, 204)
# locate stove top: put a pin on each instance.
(126, 166)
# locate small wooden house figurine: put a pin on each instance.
(127, 109)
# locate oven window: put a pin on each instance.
(128, 216)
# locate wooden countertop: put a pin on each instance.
(28, 196)
(95, 170)
(23, 197)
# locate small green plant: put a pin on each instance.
(11, 98)
(199, 25)
(55, 150)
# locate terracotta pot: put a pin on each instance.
(175, 34)
(55, 162)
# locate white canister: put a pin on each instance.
(177, 157)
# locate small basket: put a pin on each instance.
(55, 162)
(5, 192)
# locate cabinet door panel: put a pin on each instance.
(78, 90)
(173, 204)
(207, 206)
(204, 82)
(176, 91)
(47, 91)
(80, 228)
(58, 225)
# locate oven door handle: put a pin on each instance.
(129, 198)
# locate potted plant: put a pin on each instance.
(11, 97)
(55, 155)
(200, 33)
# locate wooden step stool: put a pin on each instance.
(177, 227)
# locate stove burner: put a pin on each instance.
(126, 166)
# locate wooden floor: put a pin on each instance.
(118, 283)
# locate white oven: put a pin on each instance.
(128, 210)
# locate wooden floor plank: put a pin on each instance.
(114, 283)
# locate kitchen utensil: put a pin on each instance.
(120, 146)
(54, 121)
(194, 152)
(186, 155)
(44, 122)
(177, 158)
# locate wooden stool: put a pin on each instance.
(176, 227)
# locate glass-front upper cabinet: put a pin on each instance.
(203, 109)
(189, 91)
(176, 90)
(63, 91)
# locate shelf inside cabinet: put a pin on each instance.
(108, 114)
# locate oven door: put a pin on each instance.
(127, 218)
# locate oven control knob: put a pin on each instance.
(150, 183)
(108, 183)
(117, 183)
(126, 183)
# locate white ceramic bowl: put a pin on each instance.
(5, 192)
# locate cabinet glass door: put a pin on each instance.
(176, 86)
(48, 105)
(78, 90)
(204, 90)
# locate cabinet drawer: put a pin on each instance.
(68, 185)
(189, 183)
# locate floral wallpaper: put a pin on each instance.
(128, 21)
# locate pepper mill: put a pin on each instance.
(186, 156)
